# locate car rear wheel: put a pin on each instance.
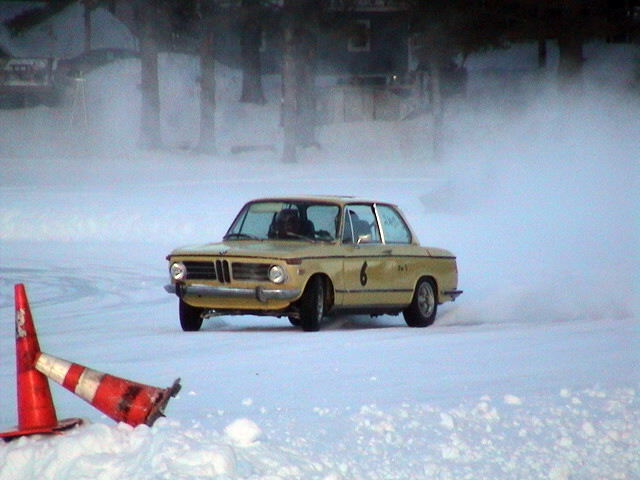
(312, 305)
(190, 317)
(424, 306)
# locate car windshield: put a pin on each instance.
(286, 220)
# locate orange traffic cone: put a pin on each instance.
(36, 412)
(121, 400)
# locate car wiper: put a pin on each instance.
(244, 236)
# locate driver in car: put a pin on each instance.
(287, 224)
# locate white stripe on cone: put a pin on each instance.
(88, 384)
(54, 368)
(57, 369)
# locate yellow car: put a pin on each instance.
(306, 257)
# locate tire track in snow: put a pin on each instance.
(81, 291)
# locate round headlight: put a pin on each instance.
(277, 274)
(178, 271)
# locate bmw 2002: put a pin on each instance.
(306, 257)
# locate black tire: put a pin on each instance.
(312, 305)
(190, 317)
(424, 306)
(295, 321)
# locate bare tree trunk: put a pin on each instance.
(570, 61)
(437, 103)
(542, 53)
(289, 93)
(542, 38)
(207, 141)
(298, 77)
(251, 39)
(306, 78)
(87, 25)
(570, 45)
(150, 121)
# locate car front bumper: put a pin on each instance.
(260, 293)
(453, 294)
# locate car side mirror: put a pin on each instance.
(364, 239)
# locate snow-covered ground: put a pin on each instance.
(534, 373)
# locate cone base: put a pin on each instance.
(62, 426)
(158, 410)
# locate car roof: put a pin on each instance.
(334, 199)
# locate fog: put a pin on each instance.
(549, 196)
(536, 191)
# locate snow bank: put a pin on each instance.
(573, 435)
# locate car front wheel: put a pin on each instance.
(295, 321)
(312, 305)
(424, 306)
(190, 317)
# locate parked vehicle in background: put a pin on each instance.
(28, 81)
(306, 257)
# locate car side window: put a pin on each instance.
(393, 226)
(360, 225)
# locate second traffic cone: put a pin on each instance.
(36, 412)
(121, 400)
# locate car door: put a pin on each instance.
(366, 263)
(404, 257)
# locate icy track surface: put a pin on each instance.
(505, 385)
(361, 399)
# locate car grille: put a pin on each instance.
(201, 270)
(223, 271)
(250, 271)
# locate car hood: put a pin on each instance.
(257, 249)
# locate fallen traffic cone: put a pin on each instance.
(121, 400)
(36, 412)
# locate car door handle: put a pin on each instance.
(387, 252)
